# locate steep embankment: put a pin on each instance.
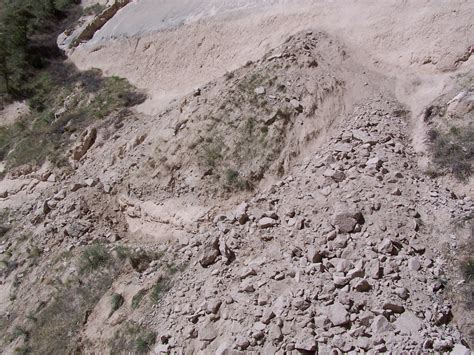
(277, 207)
(412, 41)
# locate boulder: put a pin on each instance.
(86, 141)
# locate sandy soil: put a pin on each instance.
(173, 47)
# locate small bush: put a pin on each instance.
(116, 302)
(468, 269)
(453, 150)
(92, 258)
(145, 341)
(132, 339)
(20, 332)
(138, 298)
(233, 180)
(162, 286)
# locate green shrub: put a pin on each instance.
(145, 341)
(93, 258)
(137, 298)
(132, 339)
(116, 301)
(233, 180)
(162, 286)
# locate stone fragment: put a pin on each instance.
(336, 175)
(343, 265)
(207, 333)
(76, 186)
(213, 306)
(266, 222)
(209, 253)
(227, 254)
(306, 342)
(260, 90)
(402, 292)
(86, 140)
(408, 323)
(393, 306)
(296, 105)
(267, 316)
(373, 269)
(362, 285)
(396, 192)
(274, 333)
(343, 147)
(338, 315)
(414, 264)
(241, 213)
(460, 349)
(313, 255)
(380, 325)
(346, 222)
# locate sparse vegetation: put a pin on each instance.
(137, 298)
(94, 9)
(45, 132)
(162, 286)
(453, 150)
(116, 301)
(27, 33)
(468, 269)
(93, 257)
(235, 181)
(132, 338)
(57, 328)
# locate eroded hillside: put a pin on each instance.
(302, 196)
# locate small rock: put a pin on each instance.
(274, 333)
(346, 222)
(362, 285)
(213, 306)
(76, 186)
(260, 90)
(266, 222)
(297, 105)
(338, 315)
(306, 342)
(408, 323)
(396, 192)
(313, 255)
(210, 253)
(402, 292)
(460, 349)
(207, 332)
(414, 264)
(336, 175)
(394, 307)
(380, 325)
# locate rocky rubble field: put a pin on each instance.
(342, 255)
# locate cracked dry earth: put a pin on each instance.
(340, 256)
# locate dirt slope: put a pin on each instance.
(411, 41)
(271, 200)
